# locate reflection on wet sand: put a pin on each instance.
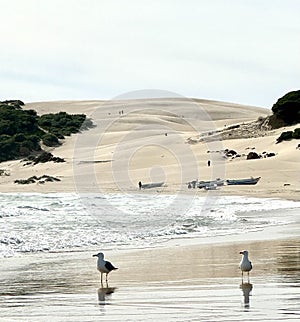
(288, 262)
(64, 286)
(246, 288)
(104, 294)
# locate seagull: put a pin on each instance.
(245, 264)
(104, 266)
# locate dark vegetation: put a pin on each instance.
(289, 135)
(43, 158)
(44, 178)
(286, 111)
(63, 124)
(22, 131)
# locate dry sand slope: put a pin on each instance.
(155, 140)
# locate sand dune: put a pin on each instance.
(160, 140)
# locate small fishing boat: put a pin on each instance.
(192, 184)
(218, 182)
(243, 181)
(151, 185)
(211, 187)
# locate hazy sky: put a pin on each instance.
(243, 51)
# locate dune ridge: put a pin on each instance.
(154, 140)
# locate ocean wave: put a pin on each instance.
(33, 208)
(38, 222)
(11, 240)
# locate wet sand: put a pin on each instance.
(197, 282)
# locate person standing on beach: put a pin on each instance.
(140, 185)
(208, 163)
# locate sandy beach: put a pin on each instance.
(196, 279)
(169, 140)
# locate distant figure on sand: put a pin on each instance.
(208, 163)
(140, 185)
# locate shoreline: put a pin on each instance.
(177, 283)
(178, 280)
(244, 191)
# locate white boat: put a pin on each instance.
(211, 187)
(218, 182)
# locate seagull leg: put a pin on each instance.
(106, 277)
(101, 278)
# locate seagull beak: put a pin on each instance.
(242, 253)
(94, 255)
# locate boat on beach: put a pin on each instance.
(212, 183)
(151, 185)
(211, 187)
(247, 181)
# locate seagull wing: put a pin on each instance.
(109, 266)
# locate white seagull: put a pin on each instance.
(245, 264)
(103, 266)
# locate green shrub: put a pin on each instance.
(57, 133)
(24, 151)
(62, 124)
(287, 108)
(296, 133)
(8, 150)
(4, 137)
(21, 131)
(20, 137)
(50, 140)
(285, 136)
(14, 103)
(289, 135)
(6, 126)
(44, 122)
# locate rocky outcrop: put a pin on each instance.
(253, 155)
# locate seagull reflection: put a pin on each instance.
(104, 294)
(246, 288)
